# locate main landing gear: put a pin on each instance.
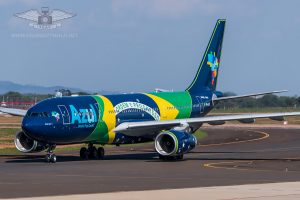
(92, 152)
(50, 156)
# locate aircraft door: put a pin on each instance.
(100, 111)
(65, 114)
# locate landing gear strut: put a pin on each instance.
(50, 156)
(92, 152)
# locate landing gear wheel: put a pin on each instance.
(92, 151)
(47, 158)
(100, 153)
(84, 153)
(53, 158)
(50, 156)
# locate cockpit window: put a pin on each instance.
(34, 114)
(46, 114)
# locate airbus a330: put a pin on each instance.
(167, 118)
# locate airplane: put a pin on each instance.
(168, 118)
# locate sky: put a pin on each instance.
(140, 45)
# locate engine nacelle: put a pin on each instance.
(27, 145)
(172, 143)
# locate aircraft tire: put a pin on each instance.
(83, 153)
(47, 158)
(100, 153)
(53, 158)
(92, 153)
(50, 158)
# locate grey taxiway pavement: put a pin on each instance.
(228, 156)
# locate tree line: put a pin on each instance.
(269, 101)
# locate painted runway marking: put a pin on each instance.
(235, 166)
(265, 136)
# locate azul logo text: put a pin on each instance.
(83, 115)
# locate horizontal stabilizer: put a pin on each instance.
(248, 95)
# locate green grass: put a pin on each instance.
(68, 148)
(200, 134)
(7, 136)
(8, 132)
(6, 141)
(10, 125)
(10, 151)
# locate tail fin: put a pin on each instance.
(207, 74)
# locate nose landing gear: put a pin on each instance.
(50, 156)
(92, 152)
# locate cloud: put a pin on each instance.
(165, 8)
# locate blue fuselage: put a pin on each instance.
(92, 119)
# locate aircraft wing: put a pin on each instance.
(142, 128)
(13, 111)
(248, 95)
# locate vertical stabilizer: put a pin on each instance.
(207, 74)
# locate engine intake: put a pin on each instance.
(172, 143)
(27, 145)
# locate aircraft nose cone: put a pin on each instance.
(31, 129)
(25, 126)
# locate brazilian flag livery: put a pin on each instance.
(114, 109)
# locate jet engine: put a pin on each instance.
(173, 143)
(27, 145)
